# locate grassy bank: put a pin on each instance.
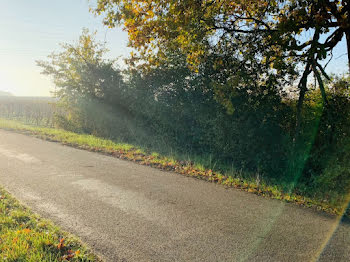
(26, 237)
(189, 168)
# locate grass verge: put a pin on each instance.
(24, 236)
(188, 168)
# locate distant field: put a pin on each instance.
(38, 111)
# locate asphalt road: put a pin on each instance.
(129, 212)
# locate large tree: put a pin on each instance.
(281, 36)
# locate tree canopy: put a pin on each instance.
(271, 33)
(80, 70)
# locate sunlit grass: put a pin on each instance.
(195, 168)
(26, 237)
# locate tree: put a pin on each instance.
(80, 71)
(90, 88)
(269, 33)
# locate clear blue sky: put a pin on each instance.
(31, 29)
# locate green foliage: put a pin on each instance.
(79, 71)
(266, 37)
(232, 118)
(327, 168)
(198, 27)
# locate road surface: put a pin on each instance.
(129, 212)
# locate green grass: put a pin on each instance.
(26, 237)
(189, 168)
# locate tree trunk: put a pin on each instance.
(303, 88)
(347, 33)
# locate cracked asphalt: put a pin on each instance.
(129, 212)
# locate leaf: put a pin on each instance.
(61, 244)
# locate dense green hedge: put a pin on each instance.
(229, 115)
(181, 115)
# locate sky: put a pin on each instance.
(31, 30)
